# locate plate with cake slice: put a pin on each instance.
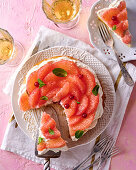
(119, 17)
(72, 81)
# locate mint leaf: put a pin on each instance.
(41, 83)
(59, 72)
(40, 140)
(78, 102)
(95, 90)
(51, 131)
(44, 98)
(114, 27)
(79, 133)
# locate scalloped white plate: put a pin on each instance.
(126, 53)
(29, 125)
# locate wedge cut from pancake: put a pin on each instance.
(115, 17)
(49, 136)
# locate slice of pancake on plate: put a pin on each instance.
(115, 17)
(49, 136)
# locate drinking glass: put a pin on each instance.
(11, 52)
(64, 13)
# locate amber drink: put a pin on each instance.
(64, 13)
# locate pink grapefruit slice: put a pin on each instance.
(50, 124)
(31, 81)
(41, 146)
(93, 104)
(56, 134)
(44, 70)
(24, 102)
(34, 98)
(83, 105)
(72, 109)
(82, 125)
(69, 66)
(89, 80)
(55, 143)
(61, 93)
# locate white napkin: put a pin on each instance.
(16, 141)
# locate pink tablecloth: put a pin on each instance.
(22, 18)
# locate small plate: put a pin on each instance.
(27, 121)
(126, 53)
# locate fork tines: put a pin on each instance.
(108, 148)
(115, 151)
(105, 34)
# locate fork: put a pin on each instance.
(107, 152)
(97, 148)
(108, 40)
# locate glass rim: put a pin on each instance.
(63, 22)
(4, 30)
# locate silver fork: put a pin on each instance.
(107, 152)
(97, 148)
(108, 40)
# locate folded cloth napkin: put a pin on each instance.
(16, 141)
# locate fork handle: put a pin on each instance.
(46, 164)
(96, 161)
(128, 79)
(84, 161)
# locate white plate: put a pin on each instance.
(126, 53)
(29, 125)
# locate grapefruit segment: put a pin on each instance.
(52, 136)
(122, 5)
(62, 92)
(72, 109)
(52, 93)
(34, 98)
(24, 102)
(74, 120)
(55, 143)
(109, 13)
(127, 38)
(41, 103)
(41, 146)
(50, 124)
(82, 125)
(122, 16)
(74, 90)
(75, 80)
(83, 105)
(69, 66)
(30, 82)
(45, 117)
(49, 86)
(65, 100)
(93, 104)
(119, 29)
(44, 70)
(125, 25)
(89, 80)
(52, 78)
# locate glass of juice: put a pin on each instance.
(64, 13)
(10, 52)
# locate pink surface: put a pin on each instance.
(22, 18)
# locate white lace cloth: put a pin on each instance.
(16, 141)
